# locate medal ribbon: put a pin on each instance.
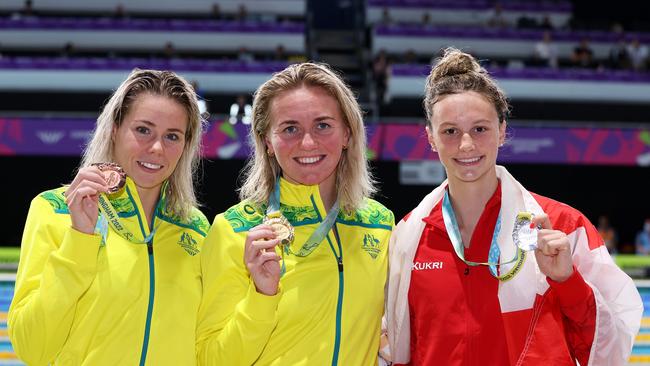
(318, 235)
(451, 224)
(109, 215)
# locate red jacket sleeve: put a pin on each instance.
(578, 307)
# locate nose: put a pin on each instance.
(157, 146)
(466, 142)
(308, 141)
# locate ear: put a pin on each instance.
(269, 146)
(430, 138)
(502, 132)
(346, 137)
(113, 132)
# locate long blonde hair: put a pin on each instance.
(354, 183)
(181, 197)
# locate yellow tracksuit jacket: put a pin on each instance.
(82, 301)
(329, 308)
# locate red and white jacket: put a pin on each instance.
(592, 317)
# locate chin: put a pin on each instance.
(147, 184)
(310, 182)
(472, 177)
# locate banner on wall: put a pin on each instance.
(391, 142)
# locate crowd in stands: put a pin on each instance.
(555, 42)
(608, 232)
(627, 53)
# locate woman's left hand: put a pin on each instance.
(553, 251)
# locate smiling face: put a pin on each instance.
(307, 135)
(150, 141)
(466, 133)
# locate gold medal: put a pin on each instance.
(281, 226)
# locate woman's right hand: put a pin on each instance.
(82, 197)
(262, 261)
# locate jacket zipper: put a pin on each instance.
(152, 287)
(152, 276)
(339, 303)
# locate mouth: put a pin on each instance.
(149, 166)
(469, 161)
(309, 160)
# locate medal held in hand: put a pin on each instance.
(113, 174)
(523, 235)
(115, 178)
(283, 231)
(281, 226)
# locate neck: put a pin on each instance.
(148, 199)
(469, 200)
(472, 195)
(328, 194)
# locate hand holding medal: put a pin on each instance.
(553, 252)
(524, 233)
(264, 264)
(84, 192)
(82, 196)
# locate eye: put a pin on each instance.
(323, 125)
(449, 131)
(290, 130)
(173, 137)
(481, 129)
(143, 130)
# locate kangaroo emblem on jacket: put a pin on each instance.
(188, 243)
(371, 245)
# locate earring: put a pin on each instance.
(270, 152)
(433, 148)
(345, 147)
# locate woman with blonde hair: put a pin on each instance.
(484, 272)
(109, 272)
(297, 269)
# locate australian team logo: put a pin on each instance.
(188, 243)
(371, 245)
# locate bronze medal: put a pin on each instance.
(113, 174)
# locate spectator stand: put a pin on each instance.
(466, 12)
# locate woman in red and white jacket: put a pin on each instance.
(463, 288)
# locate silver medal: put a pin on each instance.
(523, 235)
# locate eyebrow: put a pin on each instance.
(317, 119)
(478, 121)
(323, 118)
(149, 123)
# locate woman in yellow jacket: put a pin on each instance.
(109, 269)
(316, 299)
